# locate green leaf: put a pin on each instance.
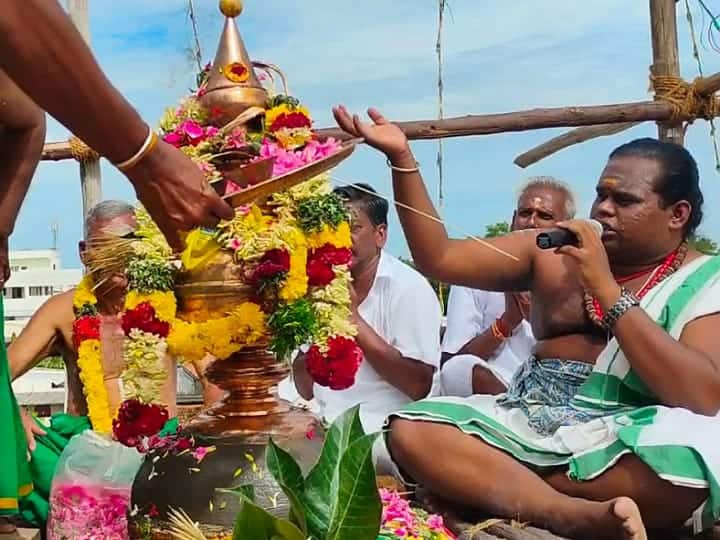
(257, 524)
(322, 482)
(356, 506)
(289, 477)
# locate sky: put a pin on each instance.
(498, 57)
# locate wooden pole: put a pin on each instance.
(576, 136)
(90, 176)
(663, 28)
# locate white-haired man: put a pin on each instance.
(488, 336)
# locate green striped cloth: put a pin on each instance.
(681, 447)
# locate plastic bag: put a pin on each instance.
(90, 492)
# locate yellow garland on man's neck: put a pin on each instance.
(90, 366)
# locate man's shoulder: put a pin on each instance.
(59, 304)
(402, 276)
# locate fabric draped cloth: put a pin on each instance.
(612, 413)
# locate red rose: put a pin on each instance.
(272, 264)
(333, 255)
(86, 327)
(290, 121)
(338, 367)
(136, 421)
(319, 273)
(143, 318)
(317, 366)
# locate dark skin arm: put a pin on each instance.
(301, 378)
(485, 344)
(22, 134)
(56, 69)
(434, 253)
(410, 376)
(681, 373)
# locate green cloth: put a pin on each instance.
(35, 507)
(63, 427)
(15, 480)
(622, 415)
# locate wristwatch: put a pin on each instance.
(626, 301)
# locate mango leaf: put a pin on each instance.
(289, 477)
(257, 524)
(322, 483)
(356, 506)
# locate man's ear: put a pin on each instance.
(680, 215)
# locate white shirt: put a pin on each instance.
(471, 312)
(403, 309)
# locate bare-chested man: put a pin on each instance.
(50, 333)
(612, 426)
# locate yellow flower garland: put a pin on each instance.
(90, 366)
(219, 337)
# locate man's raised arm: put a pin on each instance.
(46, 57)
(462, 262)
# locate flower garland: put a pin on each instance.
(147, 318)
(297, 252)
(86, 337)
(294, 250)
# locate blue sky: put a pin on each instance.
(499, 56)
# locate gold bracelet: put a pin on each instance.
(147, 146)
(496, 332)
(403, 170)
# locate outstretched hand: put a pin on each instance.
(176, 194)
(381, 134)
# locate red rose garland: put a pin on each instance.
(336, 368)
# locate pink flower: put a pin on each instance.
(435, 522)
(211, 131)
(193, 131)
(235, 244)
(201, 452)
(174, 139)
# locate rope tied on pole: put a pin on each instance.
(81, 152)
(687, 102)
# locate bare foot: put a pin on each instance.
(6, 526)
(628, 513)
(613, 520)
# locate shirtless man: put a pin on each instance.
(487, 337)
(49, 333)
(595, 452)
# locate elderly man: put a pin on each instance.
(398, 319)
(487, 336)
(612, 427)
(50, 333)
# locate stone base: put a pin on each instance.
(180, 482)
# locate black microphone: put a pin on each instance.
(555, 238)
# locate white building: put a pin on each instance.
(36, 275)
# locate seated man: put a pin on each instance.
(50, 333)
(398, 319)
(613, 425)
(487, 336)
